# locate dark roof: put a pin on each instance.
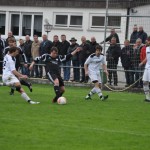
(76, 3)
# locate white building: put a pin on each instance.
(73, 18)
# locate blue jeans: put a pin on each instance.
(76, 71)
(66, 70)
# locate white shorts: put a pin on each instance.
(146, 75)
(10, 80)
(95, 77)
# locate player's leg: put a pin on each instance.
(93, 78)
(25, 83)
(23, 93)
(54, 79)
(146, 80)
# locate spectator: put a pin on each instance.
(112, 57)
(83, 55)
(75, 59)
(56, 42)
(112, 34)
(35, 52)
(63, 51)
(136, 61)
(142, 35)
(27, 51)
(134, 35)
(93, 45)
(2, 47)
(21, 46)
(126, 60)
(10, 35)
(45, 48)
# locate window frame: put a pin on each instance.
(68, 25)
(103, 15)
(1, 12)
(21, 21)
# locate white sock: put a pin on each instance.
(93, 91)
(25, 97)
(99, 92)
(146, 91)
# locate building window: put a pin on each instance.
(61, 20)
(38, 25)
(114, 21)
(26, 24)
(15, 23)
(2, 23)
(98, 21)
(68, 20)
(76, 21)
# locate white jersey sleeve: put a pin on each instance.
(88, 60)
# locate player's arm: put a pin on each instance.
(67, 57)
(143, 62)
(86, 69)
(19, 75)
(37, 59)
(105, 69)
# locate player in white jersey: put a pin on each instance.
(146, 75)
(92, 69)
(10, 75)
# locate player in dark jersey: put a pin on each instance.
(52, 62)
(12, 43)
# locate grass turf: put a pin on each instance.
(121, 123)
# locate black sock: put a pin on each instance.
(12, 90)
(24, 83)
(57, 91)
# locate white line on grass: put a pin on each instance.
(89, 128)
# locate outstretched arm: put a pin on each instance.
(105, 69)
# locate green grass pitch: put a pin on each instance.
(121, 123)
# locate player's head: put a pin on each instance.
(11, 41)
(54, 52)
(14, 51)
(98, 50)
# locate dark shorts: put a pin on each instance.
(52, 77)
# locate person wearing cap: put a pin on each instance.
(75, 59)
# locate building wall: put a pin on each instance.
(48, 12)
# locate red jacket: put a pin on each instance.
(143, 53)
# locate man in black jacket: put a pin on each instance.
(63, 51)
(45, 48)
(126, 60)
(112, 34)
(134, 35)
(83, 55)
(2, 47)
(27, 51)
(93, 45)
(142, 35)
(112, 57)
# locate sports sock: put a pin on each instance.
(24, 83)
(93, 91)
(98, 91)
(25, 97)
(146, 91)
(12, 89)
(57, 91)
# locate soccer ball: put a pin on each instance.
(61, 100)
